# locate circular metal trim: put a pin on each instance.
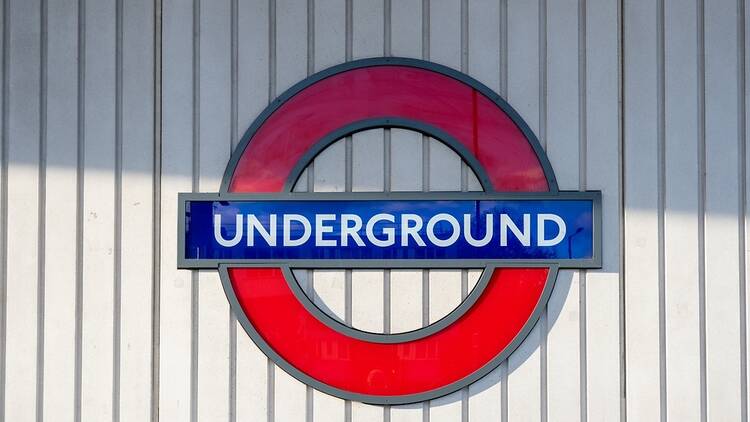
(466, 156)
(472, 162)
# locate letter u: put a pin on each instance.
(237, 231)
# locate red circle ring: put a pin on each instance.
(500, 146)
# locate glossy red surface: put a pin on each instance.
(389, 91)
(388, 369)
(457, 351)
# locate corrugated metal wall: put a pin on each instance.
(109, 108)
(77, 210)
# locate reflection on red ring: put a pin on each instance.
(388, 369)
(413, 367)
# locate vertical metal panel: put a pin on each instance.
(722, 204)
(367, 28)
(403, 176)
(406, 304)
(406, 28)
(60, 236)
(603, 157)
(291, 43)
(177, 174)
(289, 398)
(137, 125)
(445, 32)
(100, 143)
(21, 276)
(329, 34)
(641, 215)
(483, 42)
(367, 292)
(330, 169)
(367, 161)
(682, 252)
(444, 169)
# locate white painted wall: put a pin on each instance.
(111, 107)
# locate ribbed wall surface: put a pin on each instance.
(111, 107)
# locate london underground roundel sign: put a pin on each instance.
(521, 230)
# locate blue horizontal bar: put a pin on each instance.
(521, 229)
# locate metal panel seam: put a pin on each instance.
(661, 204)
(582, 185)
(701, 64)
(81, 156)
(117, 267)
(742, 149)
(156, 213)
(42, 193)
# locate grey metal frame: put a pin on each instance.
(594, 262)
(489, 265)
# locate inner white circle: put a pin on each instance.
(379, 160)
